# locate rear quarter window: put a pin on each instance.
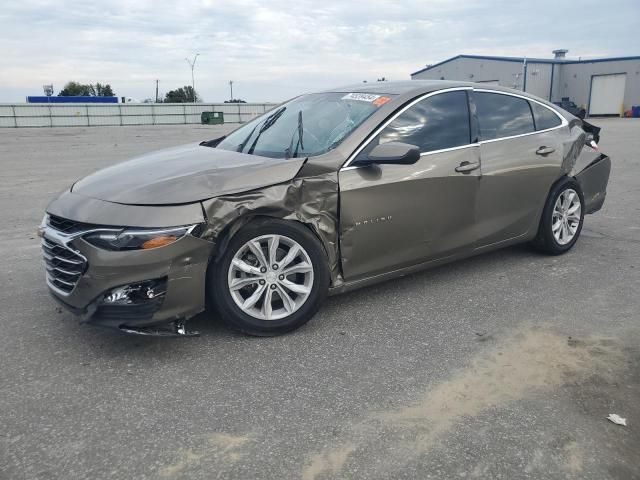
(502, 116)
(544, 117)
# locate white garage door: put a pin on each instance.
(607, 94)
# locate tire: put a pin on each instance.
(551, 239)
(239, 289)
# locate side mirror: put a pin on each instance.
(393, 152)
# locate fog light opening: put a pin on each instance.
(136, 293)
(118, 295)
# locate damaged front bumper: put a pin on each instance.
(137, 289)
(133, 290)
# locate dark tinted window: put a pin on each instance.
(502, 115)
(437, 122)
(545, 118)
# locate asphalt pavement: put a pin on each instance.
(500, 366)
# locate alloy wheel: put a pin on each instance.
(270, 277)
(566, 216)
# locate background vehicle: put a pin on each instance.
(326, 193)
(571, 107)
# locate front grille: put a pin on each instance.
(67, 226)
(64, 266)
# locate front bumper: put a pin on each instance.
(183, 265)
(117, 315)
(179, 269)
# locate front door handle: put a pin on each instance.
(467, 167)
(545, 151)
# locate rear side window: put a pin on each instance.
(502, 116)
(435, 123)
(544, 117)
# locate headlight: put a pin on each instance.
(139, 238)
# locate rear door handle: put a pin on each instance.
(467, 167)
(545, 151)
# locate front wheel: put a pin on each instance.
(271, 279)
(562, 218)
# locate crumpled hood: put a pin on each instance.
(185, 174)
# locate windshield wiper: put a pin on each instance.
(300, 131)
(271, 119)
(244, 142)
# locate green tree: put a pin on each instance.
(103, 90)
(182, 95)
(75, 89)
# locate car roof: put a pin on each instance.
(418, 87)
(401, 87)
(408, 89)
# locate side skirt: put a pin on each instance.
(349, 286)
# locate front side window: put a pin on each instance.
(306, 126)
(544, 117)
(502, 116)
(435, 123)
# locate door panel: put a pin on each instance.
(515, 182)
(392, 216)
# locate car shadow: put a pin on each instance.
(212, 324)
(214, 332)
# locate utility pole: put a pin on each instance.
(157, 90)
(231, 87)
(192, 64)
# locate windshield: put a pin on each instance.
(306, 126)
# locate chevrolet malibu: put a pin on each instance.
(327, 192)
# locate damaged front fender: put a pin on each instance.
(311, 200)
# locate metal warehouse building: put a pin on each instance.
(603, 86)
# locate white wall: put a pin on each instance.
(95, 114)
(539, 79)
(508, 74)
(569, 79)
(575, 80)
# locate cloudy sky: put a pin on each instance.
(274, 49)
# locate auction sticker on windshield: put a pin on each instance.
(361, 97)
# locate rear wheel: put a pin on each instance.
(271, 279)
(562, 218)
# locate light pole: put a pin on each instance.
(231, 87)
(192, 64)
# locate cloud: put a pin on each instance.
(274, 50)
